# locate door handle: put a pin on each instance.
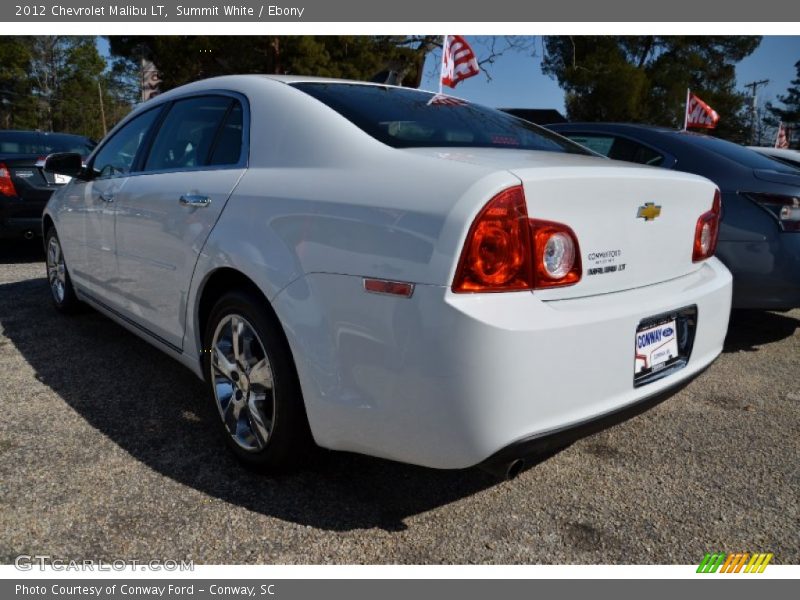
(195, 200)
(107, 196)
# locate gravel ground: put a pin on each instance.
(107, 452)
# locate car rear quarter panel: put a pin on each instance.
(321, 196)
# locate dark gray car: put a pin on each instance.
(759, 238)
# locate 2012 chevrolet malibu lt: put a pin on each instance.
(388, 271)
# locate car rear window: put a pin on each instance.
(740, 154)
(23, 142)
(785, 160)
(406, 118)
(618, 148)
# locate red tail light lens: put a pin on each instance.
(6, 185)
(707, 231)
(557, 255)
(497, 255)
(506, 251)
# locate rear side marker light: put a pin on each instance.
(707, 231)
(393, 288)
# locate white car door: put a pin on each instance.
(87, 221)
(169, 208)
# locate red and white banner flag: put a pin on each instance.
(698, 113)
(458, 61)
(782, 141)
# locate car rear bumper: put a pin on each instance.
(449, 380)
(766, 273)
(20, 217)
(545, 444)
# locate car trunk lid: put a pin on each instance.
(635, 225)
(30, 179)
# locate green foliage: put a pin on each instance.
(55, 83)
(790, 113)
(182, 59)
(643, 79)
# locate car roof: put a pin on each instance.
(679, 135)
(289, 79)
(630, 127)
(245, 79)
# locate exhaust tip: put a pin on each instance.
(504, 470)
(515, 467)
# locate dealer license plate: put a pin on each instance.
(656, 346)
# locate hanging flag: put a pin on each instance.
(782, 141)
(149, 79)
(458, 61)
(698, 113)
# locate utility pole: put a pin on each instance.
(102, 108)
(754, 85)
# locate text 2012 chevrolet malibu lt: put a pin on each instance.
(386, 271)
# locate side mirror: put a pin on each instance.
(65, 163)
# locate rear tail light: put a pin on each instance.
(785, 209)
(506, 251)
(707, 231)
(497, 255)
(557, 257)
(6, 185)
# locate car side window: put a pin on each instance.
(187, 135)
(116, 156)
(228, 146)
(625, 149)
(619, 148)
(597, 143)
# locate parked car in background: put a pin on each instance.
(25, 187)
(388, 271)
(759, 239)
(784, 155)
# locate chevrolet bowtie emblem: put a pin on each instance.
(648, 212)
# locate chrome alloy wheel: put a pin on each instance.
(56, 270)
(243, 385)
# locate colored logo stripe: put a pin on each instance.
(734, 563)
(711, 562)
(759, 561)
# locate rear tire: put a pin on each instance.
(253, 385)
(61, 290)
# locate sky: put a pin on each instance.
(517, 80)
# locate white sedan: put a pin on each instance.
(385, 271)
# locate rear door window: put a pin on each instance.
(191, 132)
(228, 146)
